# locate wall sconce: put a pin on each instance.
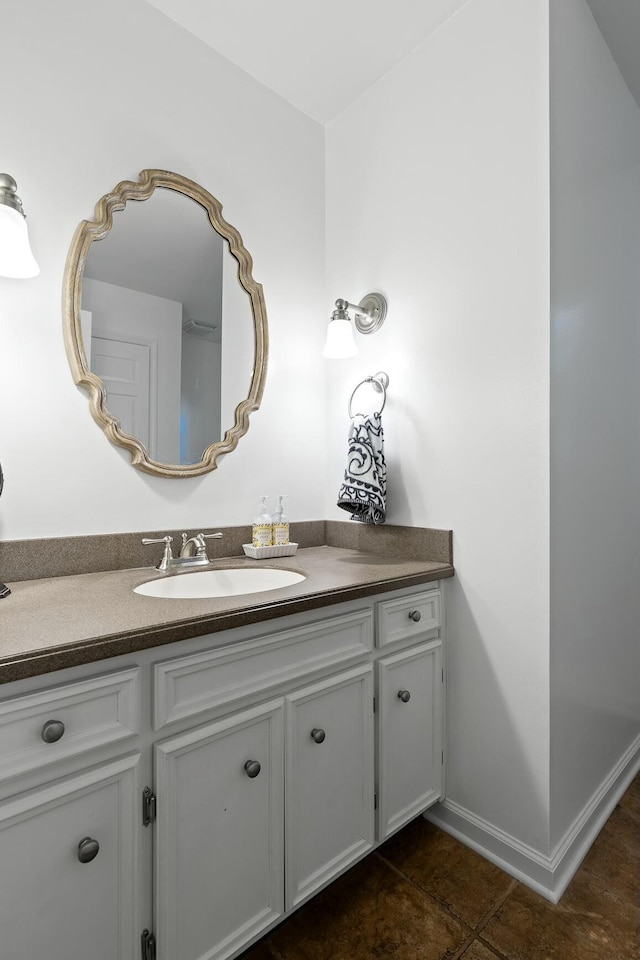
(369, 315)
(16, 258)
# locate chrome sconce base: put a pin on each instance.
(370, 313)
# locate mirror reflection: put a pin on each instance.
(163, 317)
(164, 324)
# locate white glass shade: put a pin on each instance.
(16, 259)
(340, 343)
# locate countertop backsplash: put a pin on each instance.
(69, 556)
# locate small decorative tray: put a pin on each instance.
(265, 553)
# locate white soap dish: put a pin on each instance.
(266, 553)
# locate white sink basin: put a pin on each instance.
(219, 583)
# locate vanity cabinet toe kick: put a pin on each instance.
(236, 752)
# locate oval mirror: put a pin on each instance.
(164, 324)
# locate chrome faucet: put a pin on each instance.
(195, 547)
(193, 552)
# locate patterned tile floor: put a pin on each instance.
(424, 896)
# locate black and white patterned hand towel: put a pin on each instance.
(364, 489)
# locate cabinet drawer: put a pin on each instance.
(408, 618)
(52, 724)
(187, 686)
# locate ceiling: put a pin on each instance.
(322, 56)
(319, 56)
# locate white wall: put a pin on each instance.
(438, 195)
(595, 425)
(98, 92)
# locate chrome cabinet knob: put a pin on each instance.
(52, 731)
(318, 735)
(404, 695)
(416, 616)
(252, 768)
(88, 850)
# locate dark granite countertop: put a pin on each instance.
(60, 622)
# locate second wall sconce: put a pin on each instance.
(16, 258)
(369, 316)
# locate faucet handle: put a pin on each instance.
(211, 536)
(167, 556)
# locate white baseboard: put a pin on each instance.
(547, 875)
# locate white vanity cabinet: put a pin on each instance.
(330, 780)
(227, 823)
(276, 755)
(219, 866)
(68, 824)
(410, 745)
(67, 877)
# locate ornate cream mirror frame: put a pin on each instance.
(86, 233)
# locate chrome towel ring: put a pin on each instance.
(379, 381)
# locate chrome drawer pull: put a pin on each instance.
(404, 695)
(318, 735)
(88, 850)
(252, 768)
(52, 731)
(416, 616)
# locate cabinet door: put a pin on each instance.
(329, 780)
(219, 860)
(409, 735)
(68, 868)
